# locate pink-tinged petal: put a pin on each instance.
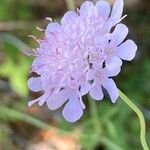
(98, 64)
(73, 84)
(51, 29)
(86, 8)
(96, 91)
(111, 73)
(85, 88)
(35, 84)
(113, 63)
(90, 75)
(119, 34)
(127, 50)
(57, 100)
(103, 9)
(69, 17)
(111, 88)
(117, 11)
(73, 109)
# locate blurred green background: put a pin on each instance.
(37, 128)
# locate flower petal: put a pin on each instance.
(36, 62)
(119, 34)
(69, 17)
(117, 11)
(41, 100)
(30, 103)
(37, 65)
(127, 50)
(86, 8)
(111, 88)
(113, 63)
(90, 75)
(103, 9)
(73, 109)
(111, 73)
(35, 84)
(85, 88)
(57, 100)
(96, 91)
(51, 28)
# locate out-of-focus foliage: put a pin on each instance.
(15, 67)
(21, 127)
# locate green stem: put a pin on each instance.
(140, 116)
(110, 144)
(95, 122)
(95, 118)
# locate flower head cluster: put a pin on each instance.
(79, 56)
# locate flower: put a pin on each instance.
(115, 50)
(79, 56)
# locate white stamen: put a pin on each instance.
(32, 102)
(32, 36)
(49, 19)
(39, 29)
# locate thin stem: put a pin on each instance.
(70, 4)
(110, 144)
(94, 115)
(140, 116)
(95, 122)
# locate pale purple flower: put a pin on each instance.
(115, 50)
(79, 56)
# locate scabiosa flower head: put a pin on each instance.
(80, 55)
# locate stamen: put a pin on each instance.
(40, 29)
(49, 19)
(32, 36)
